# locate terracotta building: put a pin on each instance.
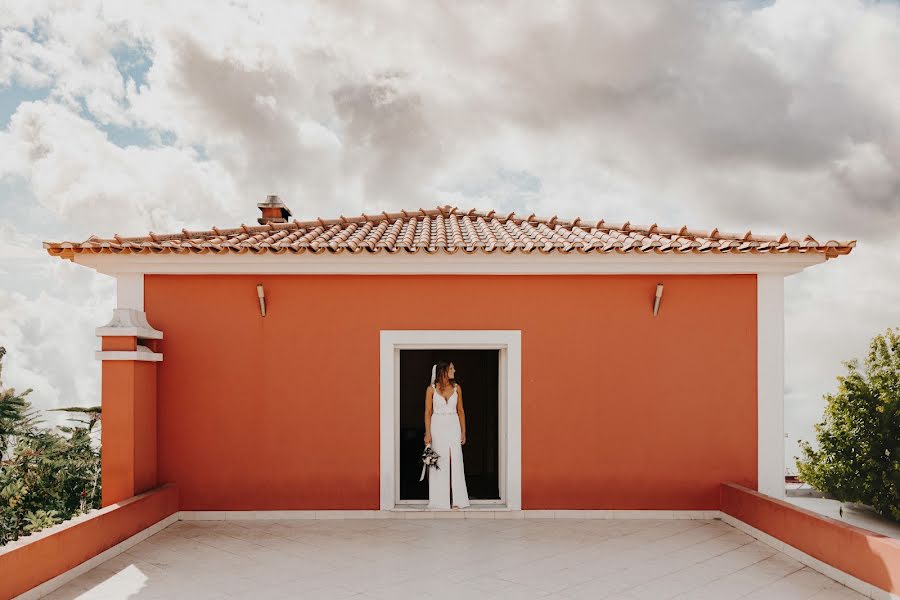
(278, 372)
(283, 366)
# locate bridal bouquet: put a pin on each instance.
(429, 459)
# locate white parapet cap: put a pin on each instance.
(129, 322)
(143, 353)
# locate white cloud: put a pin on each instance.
(98, 187)
(785, 117)
(676, 100)
(48, 311)
(832, 312)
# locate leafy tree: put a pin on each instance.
(858, 455)
(16, 414)
(46, 475)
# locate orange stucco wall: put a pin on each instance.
(129, 435)
(866, 555)
(145, 439)
(41, 556)
(620, 410)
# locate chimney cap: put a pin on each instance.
(273, 211)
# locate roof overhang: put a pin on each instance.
(441, 263)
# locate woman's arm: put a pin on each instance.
(462, 413)
(429, 407)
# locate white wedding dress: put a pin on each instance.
(446, 440)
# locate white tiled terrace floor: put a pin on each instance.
(453, 558)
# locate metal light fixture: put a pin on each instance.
(659, 291)
(262, 299)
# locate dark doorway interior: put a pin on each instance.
(477, 371)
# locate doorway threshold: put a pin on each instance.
(488, 511)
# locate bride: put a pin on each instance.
(445, 430)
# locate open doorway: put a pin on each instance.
(477, 371)
(506, 346)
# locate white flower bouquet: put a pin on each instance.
(429, 459)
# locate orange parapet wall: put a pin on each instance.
(39, 557)
(620, 409)
(869, 556)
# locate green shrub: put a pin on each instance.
(46, 475)
(858, 455)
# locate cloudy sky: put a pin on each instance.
(774, 116)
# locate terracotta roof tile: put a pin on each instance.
(448, 229)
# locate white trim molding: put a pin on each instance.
(464, 513)
(142, 354)
(129, 322)
(423, 263)
(130, 290)
(770, 384)
(509, 342)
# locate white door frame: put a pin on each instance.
(509, 343)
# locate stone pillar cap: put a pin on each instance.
(129, 322)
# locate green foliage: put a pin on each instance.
(40, 520)
(46, 475)
(858, 455)
(16, 414)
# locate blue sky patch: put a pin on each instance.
(133, 62)
(11, 97)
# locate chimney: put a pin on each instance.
(273, 211)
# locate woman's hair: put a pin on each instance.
(441, 370)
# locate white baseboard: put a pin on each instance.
(867, 589)
(622, 514)
(465, 513)
(64, 578)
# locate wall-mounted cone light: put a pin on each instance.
(656, 301)
(262, 299)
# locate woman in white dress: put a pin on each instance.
(445, 430)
